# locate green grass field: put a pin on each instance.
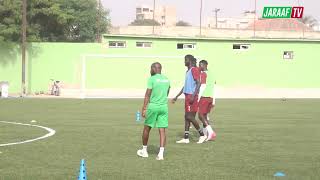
(256, 138)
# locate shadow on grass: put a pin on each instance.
(153, 149)
(193, 135)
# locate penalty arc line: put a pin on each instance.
(51, 132)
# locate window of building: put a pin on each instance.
(242, 47)
(288, 55)
(145, 9)
(186, 45)
(138, 10)
(117, 44)
(163, 17)
(144, 44)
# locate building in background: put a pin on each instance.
(231, 23)
(279, 25)
(249, 25)
(316, 28)
(165, 15)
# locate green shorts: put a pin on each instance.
(157, 117)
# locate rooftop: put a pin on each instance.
(206, 38)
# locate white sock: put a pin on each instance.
(205, 131)
(161, 151)
(209, 129)
(144, 148)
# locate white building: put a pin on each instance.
(316, 28)
(231, 23)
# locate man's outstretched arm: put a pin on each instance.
(179, 94)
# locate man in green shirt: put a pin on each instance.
(155, 109)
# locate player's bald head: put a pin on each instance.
(156, 65)
(155, 68)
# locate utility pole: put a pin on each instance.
(154, 9)
(255, 17)
(216, 10)
(99, 22)
(200, 17)
(23, 46)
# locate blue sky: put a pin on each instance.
(123, 11)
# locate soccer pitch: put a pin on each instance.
(256, 138)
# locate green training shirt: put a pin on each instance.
(160, 86)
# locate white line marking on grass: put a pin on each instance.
(51, 132)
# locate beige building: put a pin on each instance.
(165, 15)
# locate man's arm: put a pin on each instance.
(196, 91)
(146, 102)
(179, 94)
(196, 76)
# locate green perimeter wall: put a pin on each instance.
(260, 66)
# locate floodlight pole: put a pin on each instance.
(255, 17)
(154, 9)
(216, 10)
(201, 18)
(23, 46)
(99, 22)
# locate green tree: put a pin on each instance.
(10, 19)
(53, 20)
(309, 21)
(182, 23)
(144, 22)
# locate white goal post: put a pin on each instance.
(88, 57)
